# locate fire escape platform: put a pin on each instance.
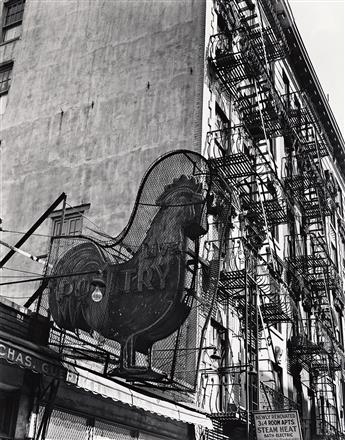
(273, 48)
(251, 116)
(275, 210)
(234, 280)
(310, 191)
(275, 400)
(302, 350)
(233, 166)
(236, 66)
(314, 148)
(276, 311)
(230, 66)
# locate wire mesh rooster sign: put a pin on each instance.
(145, 277)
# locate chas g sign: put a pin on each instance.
(277, 425)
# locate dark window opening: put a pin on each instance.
(286, 89)
(221, 24)
(334, 254)
(340, 202)
(5, 82)
(8, 413)
(223, 124)
(273, 148)
(222, 119)
(339, 327)
(275, 232)
(5, 77)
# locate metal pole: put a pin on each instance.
(25, 254)
(246, 348)
(33, 229)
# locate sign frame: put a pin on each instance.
(273, 421)
(27, 358)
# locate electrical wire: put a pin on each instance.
(21, 270)
(41, 278)
(31, 280)
(84, 216)
(15, 297)
(15, 276)
(23, 233)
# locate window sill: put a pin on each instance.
(3, 43)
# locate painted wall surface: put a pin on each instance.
(100, 89)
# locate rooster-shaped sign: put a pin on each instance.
(147, 295)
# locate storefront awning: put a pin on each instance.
(99, 385)
(25, 354)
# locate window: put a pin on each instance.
(340, 202)
(222, 121)
(222, 124)
(73, 221)
(12, 19)
(339, 327)
(72, 225)
(221, 24)
(5, 77)
(286, 90)
(5, 82)
(275, 232)
(342, 252)
(273, 148)
(334, 254)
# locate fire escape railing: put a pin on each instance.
(239, 61)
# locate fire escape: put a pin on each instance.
(263, 289)
(308, 256)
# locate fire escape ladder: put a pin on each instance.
(271, 13)
(323, 374)
(240, 58)
(328, 421)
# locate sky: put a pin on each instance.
(321, 25)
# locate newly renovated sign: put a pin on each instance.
(277, 425)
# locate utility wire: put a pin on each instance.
(10, 231)
(15, 276)
(50, 277)
(15, 297)
(84, 216)
(25, 254)
(21, 270)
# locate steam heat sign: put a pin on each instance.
(277, 425)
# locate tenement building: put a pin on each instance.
(172, 224)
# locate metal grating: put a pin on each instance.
(303, 350)
(273, 400)
(233, 166)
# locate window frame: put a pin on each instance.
(73, 213)
(7, 66)
(5, 26)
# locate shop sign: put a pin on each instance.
(277, 425)
(27, 360)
